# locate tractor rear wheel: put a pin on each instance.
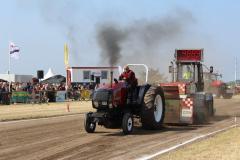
(127, 123)
(88, 124)
(153, 108)
(227, 95)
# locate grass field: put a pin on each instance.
(27, 111)
(224, 146)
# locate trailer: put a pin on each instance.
(185, 99)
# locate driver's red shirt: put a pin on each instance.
(129, 77)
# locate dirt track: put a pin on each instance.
(64, 137)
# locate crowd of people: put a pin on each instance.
(36, 91)
(44, 91)
(29, 87)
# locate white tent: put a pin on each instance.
(49, 74)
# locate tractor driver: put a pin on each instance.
(129, 77)
(187, 75)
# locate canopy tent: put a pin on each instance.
(2, 80)
(49, 74)
(55, 79)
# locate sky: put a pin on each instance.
(41, 27)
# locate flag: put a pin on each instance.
(66, 55)
(14, 50)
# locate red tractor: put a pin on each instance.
(216, 86)
(115, 108)
(186, 103)
(237, 89)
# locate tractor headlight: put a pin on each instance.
(110, 105)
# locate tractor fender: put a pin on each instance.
(142, 91)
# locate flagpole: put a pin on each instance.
(9, 66)
(236, 71)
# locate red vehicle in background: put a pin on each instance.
(216, 86)
(237, 89)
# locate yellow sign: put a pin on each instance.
(66, 55)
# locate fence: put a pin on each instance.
(20, 97)
(7, 98)
(85, 94)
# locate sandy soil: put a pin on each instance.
(65, 138)
(27, 111)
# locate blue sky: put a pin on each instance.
(40, 28)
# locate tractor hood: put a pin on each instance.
(114, 86)
(114, 93)
(216, 83)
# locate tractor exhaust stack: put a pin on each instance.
(111, 78)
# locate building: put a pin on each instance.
(16, 78)
(86, 75)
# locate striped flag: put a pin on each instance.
(14, 50)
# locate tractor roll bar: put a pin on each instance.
(144, 65)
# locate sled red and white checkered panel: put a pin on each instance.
(182, 88)
(187, 110)
(188, 102)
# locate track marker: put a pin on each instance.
(184, 143)
(68, 107)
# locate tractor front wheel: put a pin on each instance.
(127, 123)
(88, 124)
(227, 95)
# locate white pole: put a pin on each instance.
(9, 66)
(236, 71)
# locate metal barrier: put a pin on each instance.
(85, 94)
(60, 96)
(79, 95)
(5, 98)
(38, 97)
(20, 97)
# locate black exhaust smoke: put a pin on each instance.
(109, 39)
(141, 41)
